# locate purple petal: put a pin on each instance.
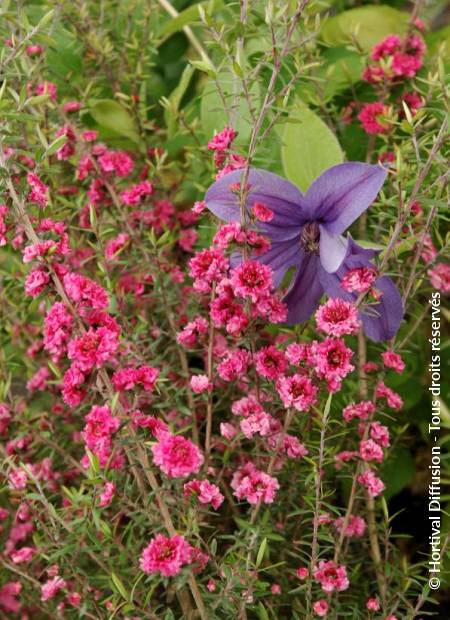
(339, 196)
(305, 291)
(333, 250)
(281, 196)
(381, 320)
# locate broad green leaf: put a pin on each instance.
(113, 116)
(119, 586)
(188, 17)
(215, 116)
(398, 471)
(309, 147)
(366, 24)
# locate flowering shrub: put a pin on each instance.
(221, 231)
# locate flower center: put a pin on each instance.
(309, 238)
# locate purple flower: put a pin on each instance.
(306, 232)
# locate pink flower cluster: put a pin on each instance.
(176, 456)
(129, 378)
(253, 485)
(166, 555)
(98, 432)
(395, 58)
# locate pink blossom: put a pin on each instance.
(338, 317)
(255, 486)
(222, 141)
(227, 430)
(251, 280)
(332, 361)
(246, 406)
(359, 280)
(97, 434)
(393, 360)
(235, 365)
(373, 604)
(199, 207)
(369, 450)
(361, 410)
(71, 106)
(23, 555)
(262, 213)
(321, 608)
(379, 433)
(302, 573)
(58, 325)
(373, 118)
(373, 484)
(114, 246)
(270, 362)
(39, 191)
(51, 588)
(5, 418)
(107, 494)
(135, 194)
(440, 277)
(46, 88)
(205, 492)
(394, 400)
(93, 349)
(85, 292)
(116, 162)
(356, 526)
(297, 391)
(188, 239)
(36, 281)
(189, 334)
(275, 588)
(38, 381)
(165, 555)
(129, 378)
(200, 384)
(72, 392)
(176, 456)
(257, 423)
(331, 576)
(206, 267)
(8, 593)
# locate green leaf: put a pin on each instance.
(213, 114)
(398, 471)
(174, 100)
(366, 24)
(56, 145)
(188, 16)
(309, 147)
(113, 116)
(262, 613)
(261, 552)
(119, 586)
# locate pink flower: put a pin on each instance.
(251, 280)
(360, 410)
(393, 399)
(258, 423)
(189, 334)
(51, 588)
(129, 378)
(380, 434)
(275, 588)
(414, 102)
(39, 191)
(373, 118)
(93, 348)
(246, 406)
(200, 384)
(222, 141)
(100, 426)
(356, 526)
(332, 361)
(369, 450)
(36, 281)
(387, 47)
(58, 325)
(205, 492)
(46, 88)
(297, 391)
(359, 279)
(5, 418)
(116, 162)
(114, 246)
(338, 317)
(373, 484)
(262, 213)
(199, 207)
(134, 195)
(440, 277)
(393, 360)
(72, 393)
(8, 593)
(24, 554)
(331, 576)
(165, 555)
(321, 608)
(71, 106)
(373, 604)
(17, 479)
(107, 494)
(235, 365)
(85, 292)
(302, 573)
(176, 456)
(270, 362)
(254, 485)
(206, 267)
(227, 430)
(38, 381)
